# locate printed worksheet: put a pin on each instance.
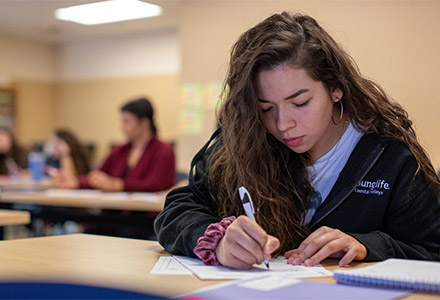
(168, 265)
(278, 266)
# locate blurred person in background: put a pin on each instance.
(13, 157)
(64, 154)
(67, 154)
(142, 164)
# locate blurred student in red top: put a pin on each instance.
(143, 164)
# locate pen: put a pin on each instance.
(248, 206)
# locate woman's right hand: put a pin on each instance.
(245, 243)
(66, 181)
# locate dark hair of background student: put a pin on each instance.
(141, 108)
(267, 167)
(15, 152)
(80, 156)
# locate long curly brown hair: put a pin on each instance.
(276, 176)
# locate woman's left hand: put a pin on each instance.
(327, 242)
(104, 182)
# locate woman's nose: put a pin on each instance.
(285, 120)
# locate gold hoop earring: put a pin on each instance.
(341, 116)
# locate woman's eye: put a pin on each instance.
(266, 109)
(301, 104)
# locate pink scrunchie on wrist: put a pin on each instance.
(206, 245)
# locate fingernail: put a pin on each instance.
(296, 261)
(309, 262)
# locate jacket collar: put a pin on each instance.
(362, 159)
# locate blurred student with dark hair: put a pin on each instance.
(68, 154)
(13, 157)
(143, 164)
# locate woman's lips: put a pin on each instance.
(294, 141)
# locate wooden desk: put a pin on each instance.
(24, 182)
(14, 217)
(87, 199)
(102, 261)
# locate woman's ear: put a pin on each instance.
(146, 123)
(336, 94)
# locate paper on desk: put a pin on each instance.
(86, 194)
(115, 196)
(73, 193)
(148, 197)
(278, 266)
(97, 194)
(167, 265)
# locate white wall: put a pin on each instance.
(118, 57)
(23, 59)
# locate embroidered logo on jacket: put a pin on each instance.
(372, 187)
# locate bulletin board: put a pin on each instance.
(197, 101)
(7, 108)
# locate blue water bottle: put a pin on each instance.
(36, 162)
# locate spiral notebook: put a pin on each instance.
(414, 275)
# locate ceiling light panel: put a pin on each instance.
(108, 12)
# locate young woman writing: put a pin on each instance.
(332, 163)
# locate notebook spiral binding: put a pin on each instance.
(423, 285)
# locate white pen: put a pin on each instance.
(248, 206)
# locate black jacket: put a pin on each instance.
(377, 199)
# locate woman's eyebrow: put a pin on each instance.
(296, 94)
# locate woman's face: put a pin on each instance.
(5, 142)
(60, 148)
(131, 126)
(297, 110)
